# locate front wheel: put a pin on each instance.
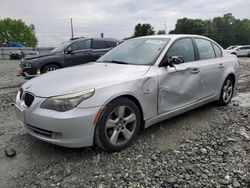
(226, 91)
(118, 124)
(49, 68)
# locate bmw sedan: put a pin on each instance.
(135, 85)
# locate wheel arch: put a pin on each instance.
(232, 76)
(132, 98)
(138, 104)
(50, 63)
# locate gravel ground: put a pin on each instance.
(207, 147)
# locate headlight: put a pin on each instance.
(66, 102)
(27, 65)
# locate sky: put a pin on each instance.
(114, 18)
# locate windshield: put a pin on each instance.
(139, 51)
(61, 46)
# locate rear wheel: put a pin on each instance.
(118, 125)
(50, 68)
(226, 91)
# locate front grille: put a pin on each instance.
(28, 99)
(40, 131)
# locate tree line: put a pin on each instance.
(225, 30)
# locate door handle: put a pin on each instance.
(221, 65)
(195, 71)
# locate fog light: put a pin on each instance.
(38, 72)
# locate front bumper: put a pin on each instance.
(74, 128)
(27, 72)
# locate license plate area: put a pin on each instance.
(19, 113)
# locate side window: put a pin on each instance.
(217, 50)
(110, 44)
(184, 48)
(81, 45)
(98, 44)
(205, 49)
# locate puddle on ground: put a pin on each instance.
(243, 99)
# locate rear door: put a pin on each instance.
(80, 53)
(99, 48)
(210, 65)
(179, 86)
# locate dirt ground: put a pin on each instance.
(154, 160)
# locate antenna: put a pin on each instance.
(72, 32)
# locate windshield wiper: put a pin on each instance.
(119, 62)
(114, 61)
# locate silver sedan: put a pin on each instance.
(135, 85)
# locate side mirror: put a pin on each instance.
(68, 50)
(176, 60)
(173, 60)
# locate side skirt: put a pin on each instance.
(178, 111)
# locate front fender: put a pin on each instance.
(45, 62)
(143, 89)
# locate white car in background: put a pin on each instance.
(240, 50)
(231, 47)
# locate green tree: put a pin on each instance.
(189, 26)
(143, 30)
(226, 30)
(18, 31)
(161, 32)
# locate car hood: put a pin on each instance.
(39, 55)
(82, 77)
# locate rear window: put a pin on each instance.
(217, 50)
(205, 49)
(110, 44)
(98, 44)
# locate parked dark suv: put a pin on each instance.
(74, 52)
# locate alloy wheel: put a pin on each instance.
(49, 69)
(227, 90)
(121, 125)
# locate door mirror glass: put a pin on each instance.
(175, 60)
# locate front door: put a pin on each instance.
(80, 53)
(179, 86)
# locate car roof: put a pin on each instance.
(100, 39)
(173, 36)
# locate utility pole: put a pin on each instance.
(72, 32)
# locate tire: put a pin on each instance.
(49, 68)
(227, 90)
(117, 125)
